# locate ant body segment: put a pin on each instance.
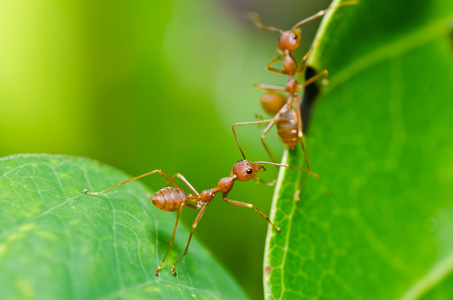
(175, 198)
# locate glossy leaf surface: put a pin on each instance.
(377, 225)
(57, 243)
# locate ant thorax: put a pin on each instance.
(289, 63)
(207, 195)
(225, 184)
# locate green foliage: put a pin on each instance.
(57, 243)
(112, 81)
(377, 225)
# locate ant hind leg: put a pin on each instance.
(171, 241)
(194, 225)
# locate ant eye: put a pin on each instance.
(249, 171)
(294, 36)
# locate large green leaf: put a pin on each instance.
(378, 224)
(57, 243)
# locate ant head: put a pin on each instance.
(289, 40)
(246, 170)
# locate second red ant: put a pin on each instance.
(287, 119)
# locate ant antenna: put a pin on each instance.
(322, 12)
(288, 166)
(255, 17)
(237, 141)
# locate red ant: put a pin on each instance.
(175, 198)
(287, 119)
(290, 40)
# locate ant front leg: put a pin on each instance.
(243, 204)
(275, 70)
(249, 123)
(312, 79)
(194, 225)
(304, 59)
(263, 135)
(259, 180)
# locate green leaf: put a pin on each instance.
(378, 224)
(57, 243)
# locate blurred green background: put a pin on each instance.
(142, 85)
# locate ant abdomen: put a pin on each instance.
(287, 128)
(169, 198)
(272, 102)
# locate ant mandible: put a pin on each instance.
(175, 198)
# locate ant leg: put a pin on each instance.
(183, 179)
(246, 123)
(313, 79)
(259, 180)
(304, 59)
(300, 132)
(288, 166)
(194, 225)
(171, 241)
(315, 16)
(85, 191)
(300, 135)
(243, 204)
(270, 87)
(275, 70)
(322, 12)
(263, 135)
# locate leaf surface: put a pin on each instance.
(57, 243)
(377, 225)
